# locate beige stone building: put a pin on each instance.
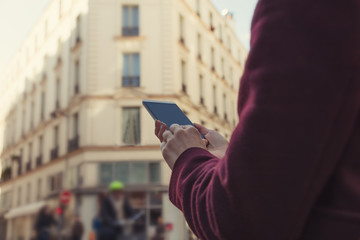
(71, 116)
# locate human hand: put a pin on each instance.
(176, 140)
(216, 143)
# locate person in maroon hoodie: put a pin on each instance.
(292, 167)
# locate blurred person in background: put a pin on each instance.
(77, 230)
(45, 224)
(114, 210)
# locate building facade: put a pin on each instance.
(71, 116)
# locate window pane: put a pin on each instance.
(105, 173)
(138, 173)
(136, 65)
(125, 17)
(135, 17)
(154, 172)
(126, 65)
(131, 125)
(122, 172)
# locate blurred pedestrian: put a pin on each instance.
(115, 209)
(160, 230)
(45, 224)
(77, 229)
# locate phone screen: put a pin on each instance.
(167, 112)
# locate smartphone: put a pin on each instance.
(167, 112)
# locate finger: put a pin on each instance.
(203, 130)
(163, 146)
(163, 128)
(175, 127)
(167, 135)
(206, 142)
(157, 127)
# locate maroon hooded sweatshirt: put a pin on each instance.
(292, 168)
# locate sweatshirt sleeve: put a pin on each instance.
(296, 112)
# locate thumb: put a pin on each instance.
(203, 130)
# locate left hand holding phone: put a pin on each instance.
(176, 140)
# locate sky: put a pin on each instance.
(18, 16)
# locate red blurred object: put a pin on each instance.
(169, 226)
(65, 197)
(59, 210)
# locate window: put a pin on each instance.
(181, 29)
(55, 151)
(55, 182)
(77, 77)
(39, 186)
(225, 106)
(201, 89)
(183, 76)
(131, 125)
(214, 99)
(130, 21)
(223, 68)
(28, 193)
(229, 43)
(199, 46)
(131, 70)
(220, 33)
(231, 76)
(78, 29)
(198, 7)
(75, 125)
(41, 143)
(211, 22)
(56, 136)
(23, 122)
(28, 167)
(32, 115)
(5, 200)
(19, 196)
(212, 59)
(57, 96)
(20, 161)
(42, 110)
(130, 172)
(73, 143)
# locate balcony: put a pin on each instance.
(131, 81)
(183, 88)
(6, 174)
(215, 110)
(73, 144)
(130, 31)
(39, 161)
(182, 40)
(54, 153)
(28, 166)
(76, 88)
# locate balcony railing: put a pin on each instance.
(130, 31)
(28, 165)
(54, 153)
(73, 144)
(76, 88)
(39, 161)
(183, 87)
(131, 81)
(6, 174)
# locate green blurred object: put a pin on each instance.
(116, 185)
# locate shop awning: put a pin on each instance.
(24, 210)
